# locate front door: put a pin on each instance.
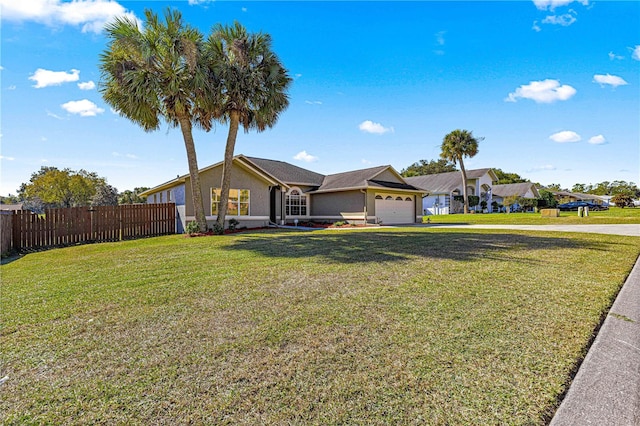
(272, 204)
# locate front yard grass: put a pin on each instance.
(612, 216)
(385, 326)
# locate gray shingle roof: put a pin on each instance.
(444, 183)
(288, 173)
(511, 189)
(352, 179)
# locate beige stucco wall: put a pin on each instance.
(334, 203)
(388, 176)
(240, 179)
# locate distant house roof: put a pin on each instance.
(577, 195)
(515, 189)
(444, 183)
(12, 207)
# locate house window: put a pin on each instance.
(408, 199)
(161, 197)
(238, 202)
(168, 196)
(296, 203)
(378, 197)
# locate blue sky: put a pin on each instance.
(552, 86)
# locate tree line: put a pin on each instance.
(51, 187)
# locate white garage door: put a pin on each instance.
(393, 209)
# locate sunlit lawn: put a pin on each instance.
(397, 326)
(612, 216)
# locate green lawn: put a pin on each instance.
(385, 326)
(612, 216)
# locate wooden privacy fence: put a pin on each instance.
(59, 227)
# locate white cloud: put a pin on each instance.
(636, 53)
(196, 2)
(304, 156)
(44, 78)
(613, 56)
(313, 102)
(369, 126)
(88, 85)
(563, 20)
(612, 80)
(365, 161)
(552, 4)
(131, 156)
(12, 87)
(545, 91)
(535, 27)
(84, 108)
(565, 136)
(57, 117)
(2, 157)
(440, 37)
(597, 140)
(92, 15)
(244, 9)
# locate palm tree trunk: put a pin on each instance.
(234, 121)
(464, 186)
(196, 190)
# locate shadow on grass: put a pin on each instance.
(389, 246)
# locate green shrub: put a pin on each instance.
(233, 224)
(473, 200)
(218, 229)
(622, 200)
(192, 228)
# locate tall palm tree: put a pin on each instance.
(455, 146)
(155, 73)
(248, 87)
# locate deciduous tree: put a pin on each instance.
(51, 187)
(431, 167)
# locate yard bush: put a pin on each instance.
(192, 228)
(622, 200)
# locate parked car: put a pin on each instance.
(575, 204)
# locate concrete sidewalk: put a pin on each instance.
(606, 389)
(632, 230)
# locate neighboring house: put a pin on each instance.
(442, 187)
(519, 190)
(268, 191)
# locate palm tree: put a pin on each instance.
(248, 87)
(155, 73)
(455, 146)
